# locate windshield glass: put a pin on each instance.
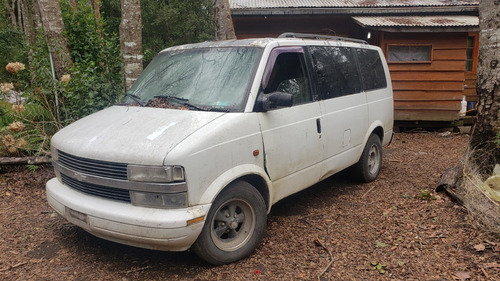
(201, 79)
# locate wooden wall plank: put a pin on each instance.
(427, 76)
(428, 95)
(449, 55)
(433, 66)
(428, 105)
(428, 86)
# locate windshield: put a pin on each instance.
(215, 79)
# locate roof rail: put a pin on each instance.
(318, 36)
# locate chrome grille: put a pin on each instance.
(97, 190)
(111, 170)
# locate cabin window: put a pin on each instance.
(409, 53)
(469, 62)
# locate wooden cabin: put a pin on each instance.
(431, 45)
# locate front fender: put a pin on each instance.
(231, 175)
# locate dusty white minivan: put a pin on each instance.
(211, 135)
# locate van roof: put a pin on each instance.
(262, 42)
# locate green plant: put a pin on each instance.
(426, 194)
(378, 266)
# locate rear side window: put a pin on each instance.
(336, 71)
(372, 70)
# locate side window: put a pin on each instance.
(336, 71)
(288, 75)
(372, 70)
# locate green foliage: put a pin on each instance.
(12, 48)
(96, 77)
(175, 22)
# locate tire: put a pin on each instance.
(234, 225)
(368, 166)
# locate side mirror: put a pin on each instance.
(274, 100)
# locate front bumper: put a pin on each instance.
(151, 228)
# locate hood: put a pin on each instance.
(134, 135)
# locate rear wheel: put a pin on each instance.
(368, 167)
(234, 225)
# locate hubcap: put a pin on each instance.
(233, 225)
(373, 159)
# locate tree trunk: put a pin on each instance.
(50, 12)
(12, 13)
(224, 29)
(131, 40)
(31, 21)
(484, 133)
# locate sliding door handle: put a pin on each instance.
(318, 125)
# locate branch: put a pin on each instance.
(36, 160)
(320, 243)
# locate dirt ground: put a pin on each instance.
(395, 228)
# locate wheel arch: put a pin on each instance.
(376, 128)
(260, 184)
(247, 173)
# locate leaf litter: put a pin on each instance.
(327, 232)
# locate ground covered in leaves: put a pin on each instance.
(396, 228)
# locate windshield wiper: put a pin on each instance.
(135, 98)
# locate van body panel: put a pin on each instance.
(216, 152)
(133, 135)
(345, 121)
(293, 147)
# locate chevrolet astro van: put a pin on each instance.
(212, 134)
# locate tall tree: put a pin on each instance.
(224, 29)
(53, 25)
(466, 181)
(487, 125)
(131, 40)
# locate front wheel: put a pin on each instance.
(368, 167)
(234, 225)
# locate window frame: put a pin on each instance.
(475, 53)
(431, 53)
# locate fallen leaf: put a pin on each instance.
(462, 275)
(492, 265)
(479, 247)
(380, 244)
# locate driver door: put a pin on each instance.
(291, 135)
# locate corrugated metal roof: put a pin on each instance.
(270, 4)
(418, 21)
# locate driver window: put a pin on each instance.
(288, 75)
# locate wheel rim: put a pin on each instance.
(233, 225)
(373, 159)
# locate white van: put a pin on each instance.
(211, 135)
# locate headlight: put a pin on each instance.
(155, 173)
(159, 200)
